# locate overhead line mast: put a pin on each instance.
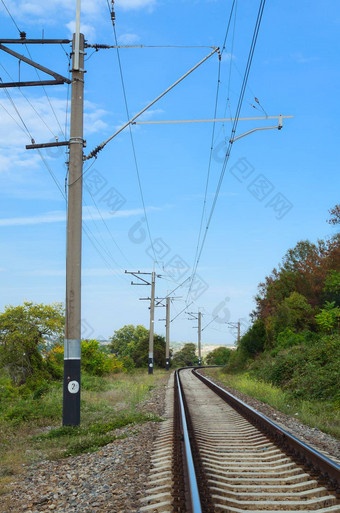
(72, 345)
(71, 385)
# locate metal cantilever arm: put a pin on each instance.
(58, 79)
(278, 127)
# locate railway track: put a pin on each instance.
(219, 455)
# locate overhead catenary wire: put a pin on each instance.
(15, 121)
(231, 61)
(23, 34)
(17, 111)
(232, 134)
(103, 244)
(10, 15)
(108, 230)
(102, 145)
(131, 135)
(213, 134)
(228, 27)
(29, 102)
(47, 97)
(111, 47)
(100, 248)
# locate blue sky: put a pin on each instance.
(295, 72)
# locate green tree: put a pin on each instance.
(96, 360)
(254, 341)
(133, 342)
(331, 289)
(126, 338)
(140, 352)
(24, 333)
(186, 356)
(218, 356)
(294, 312)
(329, 318)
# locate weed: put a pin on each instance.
(324, 415)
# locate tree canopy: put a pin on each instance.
(132, 343)
(186, 357)
(24, 332)
(299, 302)
(218, 356)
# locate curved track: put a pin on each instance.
(215, 454)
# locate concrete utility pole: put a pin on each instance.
(71, 400)
(198, 317)
(72, 345)
(152, 322)
(238, 326)
(167, 335)
(199, 338)
(152, 310)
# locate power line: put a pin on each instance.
(29, 102)
(228, 26)
(130, 130)
(38, 75)
(210, 161)
(48, 98)
(17, 111)
(15, 121)
(109, 231)
(232, 134)
(212, 136)
(5, 6)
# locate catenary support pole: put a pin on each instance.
(72, 351)
(152, 322)
(167, 335)
(199, 338)
(238, 332)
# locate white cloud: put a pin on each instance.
(57, 216)
(150, 114)
(49, 217)
(226, 57)
(128, 38)
(61, 272)
(36, 10)
(43, 127)
(85, 28)
(135, 4)
(301, 59)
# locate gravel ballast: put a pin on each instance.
(114, 479)
(311, 436)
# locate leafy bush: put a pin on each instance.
(96, 360)
(237, 361)
(287, 338)
(309, 370)
(23, 333)
(218, 356)
(254, 340)
(185, 356)
(132, 343)
(329, 318)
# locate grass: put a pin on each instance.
(318, 414)
(31, 431)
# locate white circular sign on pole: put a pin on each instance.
(73, 387)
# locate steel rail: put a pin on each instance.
(193, 485)
(311, 458)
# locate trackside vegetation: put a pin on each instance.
(291, 353)
(113, 385)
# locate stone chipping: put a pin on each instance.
(116, 479)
